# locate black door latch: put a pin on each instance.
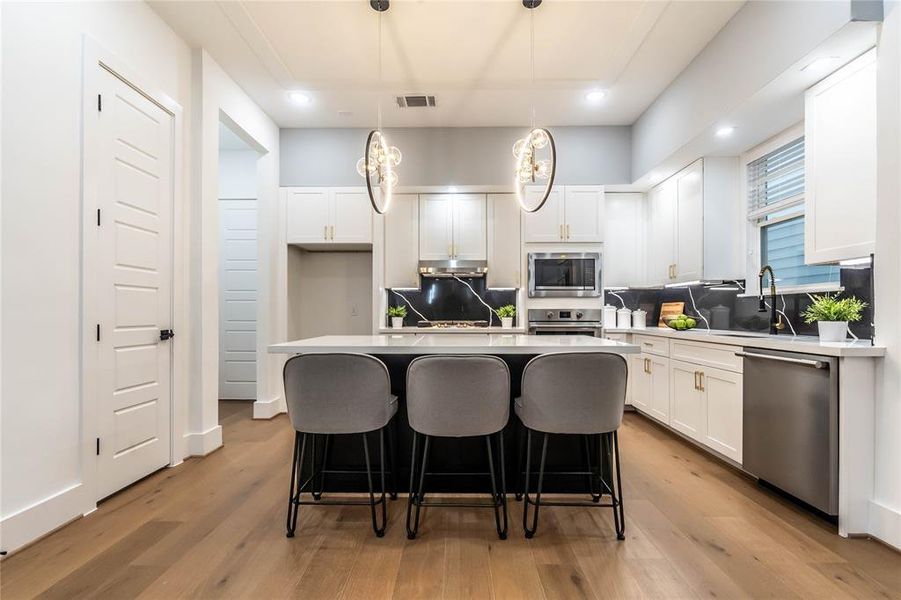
(166, 334)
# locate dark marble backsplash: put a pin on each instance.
(725, 309)
(442, 299)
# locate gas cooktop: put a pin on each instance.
(461, 324)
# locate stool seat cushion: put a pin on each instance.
(579, 393)
(335, 393)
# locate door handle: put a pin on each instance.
(325, 232)
(816, 364)
(696, 379)
(332, 227)
(701, 381)
(567, 231)
(166, 334)
(560, 235)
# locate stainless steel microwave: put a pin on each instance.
(564, 275)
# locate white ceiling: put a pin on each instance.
(472, 55)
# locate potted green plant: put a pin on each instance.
(832, 315)
(506, 314)
(397, 314)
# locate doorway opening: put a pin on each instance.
(238, 272)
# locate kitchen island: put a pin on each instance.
(463, 455)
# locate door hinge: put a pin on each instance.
(98, 217)
(98, 446)
(166, 334)
(98, 332)
(99, 103)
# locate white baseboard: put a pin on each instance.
(266, 409)
(39, 519)
(885, 524)
(201, 444)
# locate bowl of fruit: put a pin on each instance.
(680, 322)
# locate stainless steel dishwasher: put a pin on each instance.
(790, 425)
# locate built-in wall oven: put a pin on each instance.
(547, 321)
(565, 275)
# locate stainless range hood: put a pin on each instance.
(453, 268)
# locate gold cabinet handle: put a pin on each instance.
(567, 231)
(332, 227)
(696, 380)
(325, 232)
(701, 381)
(560, 233)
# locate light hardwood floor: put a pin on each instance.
(214, 528)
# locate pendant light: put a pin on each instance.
(379, 158)
(529, 167)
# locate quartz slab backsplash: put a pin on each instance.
(445, 299)
(726, 308)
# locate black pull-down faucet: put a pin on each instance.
(776, 323)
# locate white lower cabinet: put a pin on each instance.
(701, 402)
(723, 411)
(687, 400)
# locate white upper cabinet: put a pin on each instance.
(571, 214)
(623, 249)
(470, 240)
(661, 232)
(546, 224)
(689, 236)
(351, 216)
(307, 215)
(694, 224)
(402, 242)
(840, 164)
(435, 227)
(316, 216)
(584, 213)
(453, 226)
(504, 248)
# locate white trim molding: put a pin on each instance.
(202, 443)
(44, 517)
(267, 409)
(885, 524)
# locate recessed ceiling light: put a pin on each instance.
(725, 131)
(596, 95)
(299, 97)
(820, 63)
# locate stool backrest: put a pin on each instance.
(575, 392)
(458, 396)
(337, 393)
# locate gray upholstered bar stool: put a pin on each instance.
(582, 394)
(456, 397)
(329, 394)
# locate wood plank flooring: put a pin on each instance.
(214, 528)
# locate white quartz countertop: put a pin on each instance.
(446, 330)
(787, 342)
(444, 343)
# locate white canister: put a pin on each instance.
(624, 318)
(639, 319)
(609, 316)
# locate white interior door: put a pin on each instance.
(237, 299)
(133, 269)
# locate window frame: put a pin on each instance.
(753, 228)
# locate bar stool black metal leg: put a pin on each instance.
(418, 498)
(300, 443)
(586, 446)
(392, 454)
(531, 532)
(521, 441)
(500, 452)
(411, 494)
(618, 500)
(379, 531)
(496, 499)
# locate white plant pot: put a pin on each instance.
(397, 322)
(507, 322)
(833, 331)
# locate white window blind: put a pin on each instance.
(776, 207)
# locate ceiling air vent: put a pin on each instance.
(416, 101)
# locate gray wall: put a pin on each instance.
(454, 156)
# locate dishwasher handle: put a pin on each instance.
(816, 364)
